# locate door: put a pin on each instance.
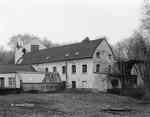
(1, 82)
(73, 84)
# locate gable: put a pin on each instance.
(104, 50)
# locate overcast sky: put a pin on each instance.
(65, 21)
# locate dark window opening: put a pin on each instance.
(97, 67)
(109, 56)
(73, 84)
(46, 69)
(84, 68)
(63, 69)
(98, 54)
(109, 68)
(54, 69)
(73, 68)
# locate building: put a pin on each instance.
(12, 76)
(81, 65)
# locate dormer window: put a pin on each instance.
(76, 53)
(66, 55)
(98, 54)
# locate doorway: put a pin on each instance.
(73, 84)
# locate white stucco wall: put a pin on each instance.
(31, 77)
(78, 76)
(100, 81)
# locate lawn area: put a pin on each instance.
(69, 105)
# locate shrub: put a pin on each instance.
(114, 91)
(137, 93)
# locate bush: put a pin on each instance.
(137, 93)
(114, 91)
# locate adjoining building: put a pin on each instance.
(81, 65)
(14, 76)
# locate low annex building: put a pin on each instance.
(13, 76)
(82, 65)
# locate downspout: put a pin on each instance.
(66, 64)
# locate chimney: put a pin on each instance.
(34, 48)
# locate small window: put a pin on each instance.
(73, 69)
(46, 69)
(63, 69)
(98, 54)
(109, 56)
(84, 68)
(109, 68)
(54, 69)
(97, 67)
(12, 82)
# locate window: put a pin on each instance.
(109, 56)
(73, 68)
(63, 69)
(97, 67)
(46, 69)
(54, 69)
(12, 82)
(84, 68)
(109, 68)
(73, 84)
(98, 54)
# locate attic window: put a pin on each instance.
(76, 53)
(66, 55)
(98, 54)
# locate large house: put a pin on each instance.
(82, 65)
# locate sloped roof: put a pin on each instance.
(84, 49)
(14, 68)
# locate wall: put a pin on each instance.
(31, 77)
(101, 79)
(78, 76)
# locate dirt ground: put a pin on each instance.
(69, 105)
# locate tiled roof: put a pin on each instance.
(14, 68)
(84, 49)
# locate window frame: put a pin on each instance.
(97, 68)
(98, 54)
(54, 69)
(74, 69)
(84, 68)
(12, 82)
(64, 69)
